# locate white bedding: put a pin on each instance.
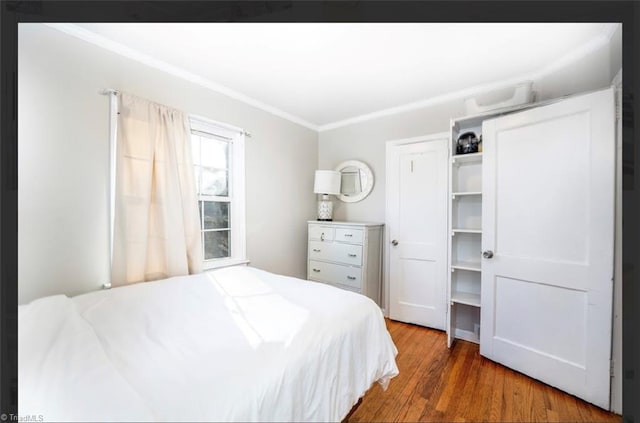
(235, 344)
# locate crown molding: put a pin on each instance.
(451, 96)
(117, 48)
(572, 57)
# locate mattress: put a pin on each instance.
(235, 344)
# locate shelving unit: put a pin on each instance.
(465, 227)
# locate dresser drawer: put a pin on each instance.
(321, 233)
(349, 235)
(335, 274)
(333, 251)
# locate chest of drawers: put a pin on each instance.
(347, 255)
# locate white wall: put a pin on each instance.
(63, 141)
(365, 141)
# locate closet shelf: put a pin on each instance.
(463, 158)
(466, 231)
(466, 298)
(466, 265)
(465, 193)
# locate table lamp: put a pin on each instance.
(327, 182)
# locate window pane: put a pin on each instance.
(214, 182)
(216, 215)
(216, 244)
(214, 153)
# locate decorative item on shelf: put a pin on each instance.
(480, 144)
(327, 182)
(467, 143)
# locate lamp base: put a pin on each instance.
(324, 220)
(325, 209)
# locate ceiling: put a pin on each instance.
(323, 75)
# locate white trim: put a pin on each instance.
(113, 130)
(239, 224)
(100, 41)
(387, 156)
(615, 398)
(206, 120)
(414, 140)
(218, 264)
(236, 140)
(617, 80)
(571, 57)
(121, 49)
(456, 95)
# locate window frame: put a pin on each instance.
(236, 189)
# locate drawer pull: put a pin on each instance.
(353, 255)
(353, 278)
(316, 250)
(316, 270)
(348, 234)
(322, 236)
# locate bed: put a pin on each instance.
(234, 344)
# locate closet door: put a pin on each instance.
(548, 222)
(417, 228)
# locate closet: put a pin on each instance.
(530, 251)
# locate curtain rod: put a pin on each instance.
(109, 91)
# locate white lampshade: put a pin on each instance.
(327, 182)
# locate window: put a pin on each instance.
(218, 159)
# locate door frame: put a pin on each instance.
(389, 145)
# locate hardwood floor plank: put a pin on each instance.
(433, 385)
(402, 337)
(553, 416)
(468, 389)
(497, 395)
(457, 374)
(507, 412)
(432, 411)
(480, 404)
(417, 401)
(457, 384)
(538, 406)
(419, 350)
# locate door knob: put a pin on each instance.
(487, 254)
(394, 242)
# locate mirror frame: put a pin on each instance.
(366, 190)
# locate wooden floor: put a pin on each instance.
(459, 385)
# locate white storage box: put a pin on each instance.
(508, 97)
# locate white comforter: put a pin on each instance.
(236, 344)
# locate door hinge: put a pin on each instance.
(611, 367)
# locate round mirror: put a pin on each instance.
(356, 181)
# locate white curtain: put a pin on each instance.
(156, 225)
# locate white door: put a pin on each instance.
(417, 228)
(548, 219)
